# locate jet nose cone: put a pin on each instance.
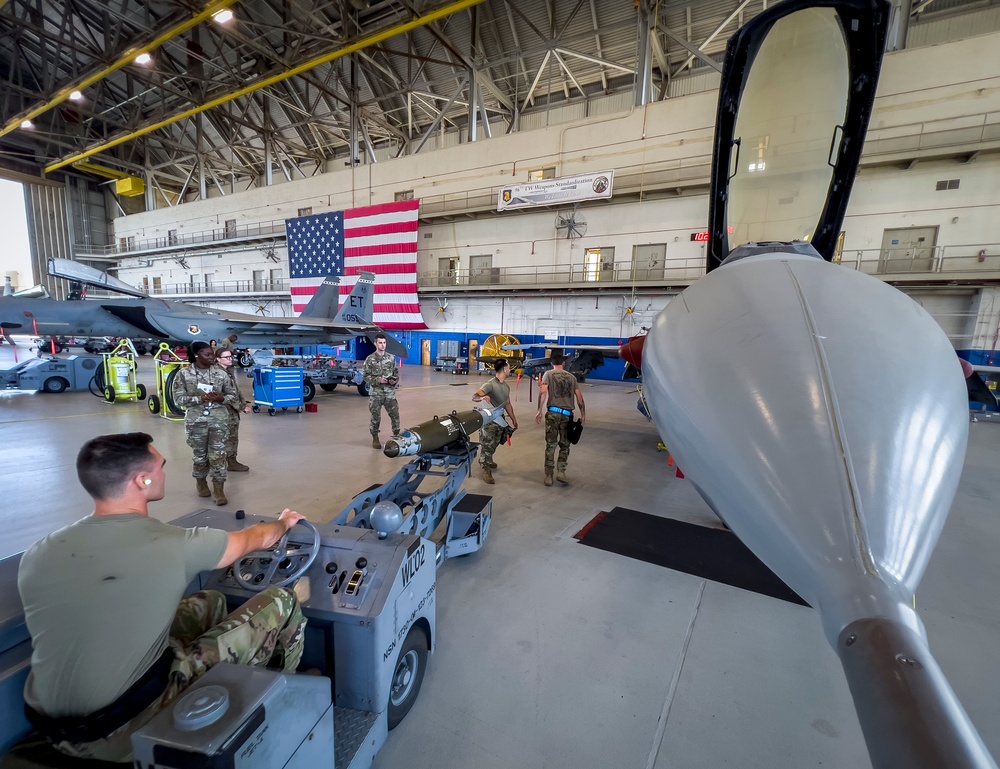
(631, 351)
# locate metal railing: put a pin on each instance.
(673, 272)
(978, 259)
(132, 245)
(275, 288)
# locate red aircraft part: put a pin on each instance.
(631, 351)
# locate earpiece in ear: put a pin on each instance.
(147, 482)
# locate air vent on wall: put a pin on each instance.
(947, 184)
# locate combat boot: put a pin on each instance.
(202, 486)
(561, 477)
(218, 493)
(376, 443)
(235, 466)
(491, 465)
(487, 475)
(548, 479)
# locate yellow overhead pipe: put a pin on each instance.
(107, 173)
(126, 185)
(420, 21)
(124, 59)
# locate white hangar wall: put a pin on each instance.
(944, 95)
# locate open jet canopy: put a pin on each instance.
(798, 88)
(81, 273)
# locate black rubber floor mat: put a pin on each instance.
(714, 554)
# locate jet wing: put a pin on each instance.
(609, 350)
(135, 315)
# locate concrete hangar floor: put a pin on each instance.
(550, 653)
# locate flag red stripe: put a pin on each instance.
(384, 208)
(385, 288)
(382, 269)
(379, 229)
(381, 249)
(414, 308)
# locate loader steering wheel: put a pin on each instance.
(277, 566)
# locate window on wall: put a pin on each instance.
(538, 174)
(171, 237)
(306, 211)
(145, 284)
(230, 228)
(402, 195)
(157, 285)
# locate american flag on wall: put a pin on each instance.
(380, 239)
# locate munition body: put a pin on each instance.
(438, 432)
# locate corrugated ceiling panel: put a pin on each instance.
(707, 81)
(937, 31)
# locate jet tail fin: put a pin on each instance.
(359, 306)
(324, 302)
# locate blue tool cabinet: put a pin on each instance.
(278, 388)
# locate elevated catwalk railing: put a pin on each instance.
(974, 263)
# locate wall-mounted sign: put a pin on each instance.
(570, 189)
(702, 237)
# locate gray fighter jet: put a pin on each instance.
(767, 377)
(146, 317)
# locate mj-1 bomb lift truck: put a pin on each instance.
(367, 582)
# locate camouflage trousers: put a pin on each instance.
(376, 401)
(209, 438)
(555, 435)
(490, 436)
(233, 437)
(266, 631)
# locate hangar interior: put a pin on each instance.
(179, 176)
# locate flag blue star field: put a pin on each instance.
(315, 252)
(380, 239)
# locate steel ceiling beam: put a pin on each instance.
(123, 60)
(293, 72)
(710, 38)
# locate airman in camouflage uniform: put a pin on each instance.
(225, 358)
(206, 391)
(557, 397)
(148, 642)
(266, 631)
(381, 376)
(497, 393)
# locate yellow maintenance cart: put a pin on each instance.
(168, 363)
(119, 374)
